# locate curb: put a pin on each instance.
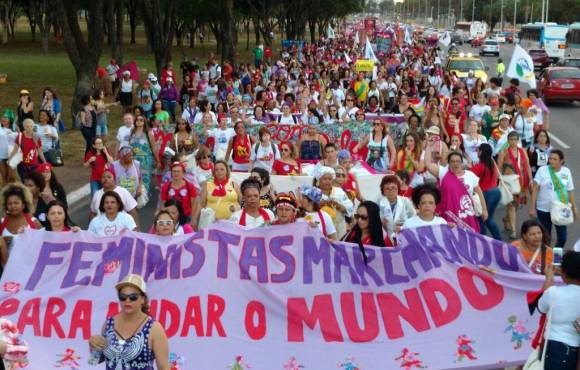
(77, 195)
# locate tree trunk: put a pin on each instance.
(312, 28)
(247, 27)
(132, 14)
(159, 18)
(257, 32)
(228, 26)
(116, 31)
(84, 54)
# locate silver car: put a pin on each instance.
(489, 46)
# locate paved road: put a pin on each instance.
(564, 123)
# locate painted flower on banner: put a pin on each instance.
(518, 331)
(112, 266)
(239, 364)
(11, 287)
(410, 360)
(349, 364)
(176, 361)
(464, 349)
(69, 360)
(292, 364)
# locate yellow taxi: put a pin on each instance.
(462, 63)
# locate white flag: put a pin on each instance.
(330, 33)
(369, 53)
(408, 38)
(446, 40)
(522, 67)
(356, 40)
(347, 58)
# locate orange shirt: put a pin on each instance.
(527, 256)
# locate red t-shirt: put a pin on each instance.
(241, 149)
(450, 130)
(98, 166)
(183, 195)
(487, 178)
(29, 149)
(284, 169)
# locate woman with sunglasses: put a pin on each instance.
(204, 169)
(367, 229)
(164, 224)
(131, 339)
(381, 153)
(287, 164)
(175, 210)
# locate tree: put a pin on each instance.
(43, 18)
(132, 12)
(159, 18)
(84, 53)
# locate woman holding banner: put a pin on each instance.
(131, 339)
(367, 229)
(426, 198)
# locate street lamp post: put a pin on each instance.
(449, 14)
(472, 11)
(461, 10)
(547, 10)
(438, 8)
(501, 17)
(515, 16)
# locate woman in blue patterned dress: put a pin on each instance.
(131, 340)
(144, 150)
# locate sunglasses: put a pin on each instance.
(361, 217)
(164, 222)
(340, 175)
(349, 99)
(285, 150)
(133, 297)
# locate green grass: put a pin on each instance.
(28, 68)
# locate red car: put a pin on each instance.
(560, 84)
(540, 58)
(477, 42)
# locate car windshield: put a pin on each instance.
(491, 42)
(572, 63)
(537, 52)
(565, 74)
(466, 65)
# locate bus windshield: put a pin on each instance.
(466, 65)
(555, 32)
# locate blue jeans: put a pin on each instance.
(561, 231)
(560, 356)
(492, 198)
(95, 185)
(169, 106)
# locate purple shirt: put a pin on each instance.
(168, 92)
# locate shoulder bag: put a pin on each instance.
(538, 356)
(560, 209)
(506, 195)
(15, 160)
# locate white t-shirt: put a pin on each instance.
(315, 217)
(102, 226)
(129, 203)
(565, 303)
(222, 137)
(469, 179)
(123, 135)
(547, 191)
(477, 111)
(472, 146)
(263, 156)
(46, 134)
(287, 120)
(251, 222)
(416, 221)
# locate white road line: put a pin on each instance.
(78, 194)
(558, 141)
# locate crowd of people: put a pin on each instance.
(449, 151)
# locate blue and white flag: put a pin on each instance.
(369, 53)
(522, 67)
(330, 33)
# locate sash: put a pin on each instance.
(262, 212)
(558, 186)
(456, 204)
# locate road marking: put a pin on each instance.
(78, 194)
(558, 141)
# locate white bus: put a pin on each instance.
(548, 36)
(573, 41)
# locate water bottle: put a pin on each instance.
(95, 357)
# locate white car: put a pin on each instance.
(489, 46)
(500, 38)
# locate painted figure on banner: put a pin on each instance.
(69, 360)
(349, 364)
(239, 364)
(464, 349)
(410, 360)
(293, 364)
(518, 331)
